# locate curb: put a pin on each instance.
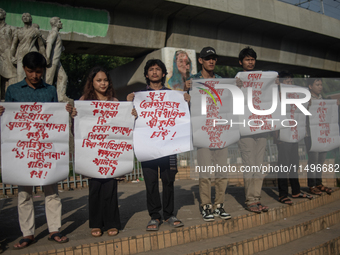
(165, 239)
(279, 237)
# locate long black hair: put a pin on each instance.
(151, 63)
(89, 93)
(247, 52)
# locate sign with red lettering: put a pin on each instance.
(34, 143)
(103, 138)
(214, 129)
(324, 127)
(297, 131)
(264, 97)
(163, 124)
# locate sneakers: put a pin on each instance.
(219, 211)
(206, 213)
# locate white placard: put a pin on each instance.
(297, 133)
(218, 107)
(163, 124)
(324, 127)
(34, 143)
(262, 85)
(103, 138)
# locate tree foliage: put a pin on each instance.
(227, 71)
(77, 67)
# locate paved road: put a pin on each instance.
(133, 212)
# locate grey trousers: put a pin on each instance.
(26, 209)
(314, 178)
(208, 157)
(252, 153)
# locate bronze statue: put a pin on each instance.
(8, 71)
(26, 39)
(54, 48)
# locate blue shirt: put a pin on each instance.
(200, 76)
(21, 92)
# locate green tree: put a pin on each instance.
(227, 71)
(77, 67)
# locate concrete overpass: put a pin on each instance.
(284, 36)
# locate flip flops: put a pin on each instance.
(171, 221)
(303, 195)
(263, 208)
(153, 222)
(253, 208)
(315, 191)
(325, 189)
(96, 232)
(58, 234)
(24, 240)
(112, 232)
(285, 200)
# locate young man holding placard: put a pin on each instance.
(155, 73)
(252, 147)
(34, 89)
(205, 156)
(288, 155)
(315, 159)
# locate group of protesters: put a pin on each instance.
(252, 148)
(103, 199)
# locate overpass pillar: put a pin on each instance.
(180, 63)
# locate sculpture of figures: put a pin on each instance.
(7, 69)
(54, 47)
(26, 39)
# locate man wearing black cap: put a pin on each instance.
(206, 156)
(207, 59)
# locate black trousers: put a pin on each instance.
(103, 204)
(314, 159)
(289, 157)
(153, 200)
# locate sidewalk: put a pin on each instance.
(133, 213)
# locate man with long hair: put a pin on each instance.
(155, 75)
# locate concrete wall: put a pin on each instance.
(130, 77)
(284, 36)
